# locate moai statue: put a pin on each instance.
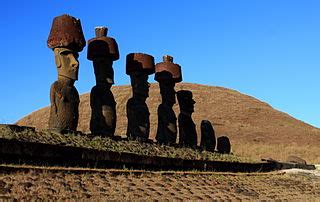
(223, 145)
(208, 138)
(167, 74)
(66, 40)
(102, 51)
(139, 66)
(187, 128)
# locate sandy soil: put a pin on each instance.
(124, 185)
(254, 127)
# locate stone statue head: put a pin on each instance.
(167, 92)
(186, 101)
(66, 40)
(102, 51)
(140, 85)
(103, 70)
(138, 67)
(208, 138)
(67, 62)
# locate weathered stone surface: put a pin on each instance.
(102, 54)
(167, 70)
(208, 139)
(103, 50)
(167, 125)
(167, 120)
(66, 39)
(67, 63)
(187, 128)
(139, 62)
(66, 31)
(103, 111)
(223, 145)
(138, 120)
(139, 66)
(167, 74)
(137, 110)
(102, 46)
(64, 100)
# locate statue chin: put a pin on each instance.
(70, 76)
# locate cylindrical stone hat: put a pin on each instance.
(66, 31)
(139, 62)
(167, 70)
(184, 96)
(102, 46)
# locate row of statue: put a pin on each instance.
(66, 39)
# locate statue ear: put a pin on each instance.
(57, 59)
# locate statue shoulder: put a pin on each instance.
(55, 85)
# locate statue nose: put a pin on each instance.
(74, 63)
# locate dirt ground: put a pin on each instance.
(29, 184)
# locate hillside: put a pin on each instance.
(254, 127)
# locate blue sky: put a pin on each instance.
(269, 49)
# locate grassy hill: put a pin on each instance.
(255, 129)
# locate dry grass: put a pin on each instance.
(248, 122)
(108, 144)
(14, 168)
(279, 151)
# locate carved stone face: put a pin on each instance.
(191, 105)
(67, 62)
(167, 92)
(140, 85)
(187, 105)
(103, 70)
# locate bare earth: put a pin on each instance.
(255, 129)
(124, 185)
